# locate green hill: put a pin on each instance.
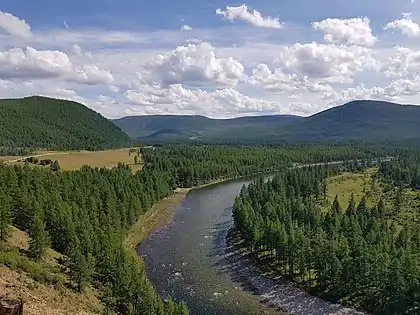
(358, 120)
(44, 123)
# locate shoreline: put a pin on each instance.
(277, 292)
(160, 214)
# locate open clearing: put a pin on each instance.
(73, 160)
(359, 184)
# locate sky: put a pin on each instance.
(215, 58)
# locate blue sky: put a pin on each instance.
(182, 57)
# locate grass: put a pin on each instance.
(160, 213)
(73, 160)
(41, 285)
(358, 184)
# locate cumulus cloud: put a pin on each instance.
(355, 31)
(13, 25)
(194, 65)
(29, 63)
(332, 63)
(274, 80)
(405, 25)
(404, 62)
(253, 17)
(225, 102)
(186, 28)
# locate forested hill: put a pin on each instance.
(44, 123)
(186, 127)
(358, 120)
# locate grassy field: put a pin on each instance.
(358, 184)
(361, 184)
(72, 160)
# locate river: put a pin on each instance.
(187, 259)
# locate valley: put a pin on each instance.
(191, 215)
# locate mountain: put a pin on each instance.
(45, 123)
(362, 120)
(359, 120)
(160, 127)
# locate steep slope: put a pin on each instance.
(177, 127)
(44, 123)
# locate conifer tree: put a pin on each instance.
(336, 207)
(351, 208)
(39, 238)
(5, 216)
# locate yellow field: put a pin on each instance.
(72, 160)
(357, 183)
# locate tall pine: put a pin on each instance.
(5, 216)
(39, 238)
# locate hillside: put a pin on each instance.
(357, 120)
(45, 123)
(159, 127)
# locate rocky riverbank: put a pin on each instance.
(276, 292)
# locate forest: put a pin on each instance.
(362, 254)
(85, 214)
(45, 123)
(194, 165)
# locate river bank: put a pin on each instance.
(275, 291)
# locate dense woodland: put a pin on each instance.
(352, 253)
(195, 165)
(45, 123)
(84, 215)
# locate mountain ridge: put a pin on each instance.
(356, 120)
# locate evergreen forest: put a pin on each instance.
(364, 254)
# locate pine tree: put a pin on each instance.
(5, 216)
(39, 239)
(336, 207)
(351, 208)
(80, 269)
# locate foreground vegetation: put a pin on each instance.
(364, 252)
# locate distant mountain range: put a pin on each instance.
(363, 120)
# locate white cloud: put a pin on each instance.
(195, 65)
(186, 28)
(405, 61)
(405, 25)
(355, 31)
(253, 17)
(33, 64)
(176, 98)
(13, 25)
(330, 63)
(275, 80)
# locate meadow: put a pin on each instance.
(73, 160)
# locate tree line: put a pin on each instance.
(195, 165)
(351, 253)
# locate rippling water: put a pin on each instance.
(185, 258)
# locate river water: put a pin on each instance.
(185, 258)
